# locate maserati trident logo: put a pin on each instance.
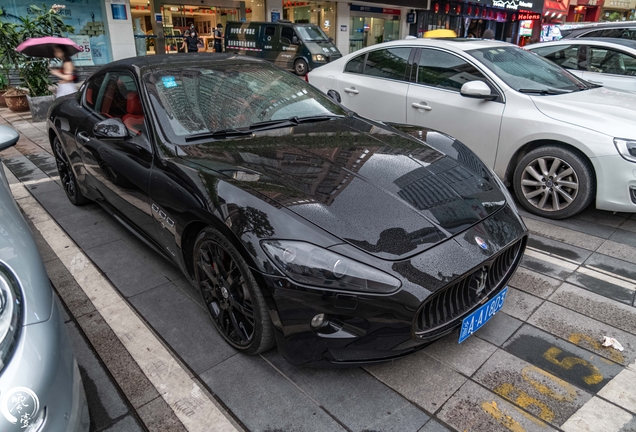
(482, 244)
(479, 280)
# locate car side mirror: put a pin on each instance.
(8, 137)
(477, 90)
(295, 40)
(330, 39)
(112, 128)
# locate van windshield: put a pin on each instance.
(311, 33)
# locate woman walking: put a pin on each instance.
(66, 73)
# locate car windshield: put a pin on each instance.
(209, 98)
(311, 33)
(527, 72)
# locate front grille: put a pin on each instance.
(334, 57)
(444, 308)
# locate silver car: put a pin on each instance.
(40, 383)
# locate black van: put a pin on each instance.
(298, 47)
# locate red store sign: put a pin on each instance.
(525, 15)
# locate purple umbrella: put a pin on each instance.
(45, 46)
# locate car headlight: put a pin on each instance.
(10, 314)
(319, 57)
(308, 264)
(627, 148)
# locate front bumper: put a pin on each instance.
(616, 182)
(44, 363)
(365, 328)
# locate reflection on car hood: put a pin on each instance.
(19, 251)
(383, 191)
(604, 110)
(321, 47)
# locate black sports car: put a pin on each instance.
(337, 238)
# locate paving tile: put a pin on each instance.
(622, 390)
(567, 361)
(584, 332)
(473, 408)
(434, 426)
(534, 283)
(531, 388)
(602, 217)
(23, 168)
(520, 305)
(630, 426)
(90, 228)
(126, 424)
(105, 404)
(499, 328)
(598, 307)
(466, 357)
(546, 265)
(64, 313)
(157, 416)
(564, 231)
(558, 249)
(597, 415)
(56, 203)
(629, 225)
(270, 402)
(125, 268)
(345, 394)
(420, 378)
(606, 263)
(599, 284)
(70, 292)
(186, 327)
(624, 236)
(618, 250)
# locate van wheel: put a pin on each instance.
(300, 67)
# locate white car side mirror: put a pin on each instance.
(477, 90)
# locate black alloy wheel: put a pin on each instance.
(67, 177)
(300, 67)
(554, 182)
(231, 294)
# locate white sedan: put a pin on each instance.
(560, 141)
(607, 61)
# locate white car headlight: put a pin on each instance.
(10, 314)
(318, 57)
(627, 148)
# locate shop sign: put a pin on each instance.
(534, 6)
(343, 27)
(528, 16)
(410, 18)
(377, 10)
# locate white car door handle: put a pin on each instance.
(351, 90)
(421, 105)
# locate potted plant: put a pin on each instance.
(10, 59)
(4, 83)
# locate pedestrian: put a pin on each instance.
(218, 38)
(191, 40)
(488, 34)
(66, 73)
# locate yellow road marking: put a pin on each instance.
(570, 391)
(569, 362)
(493, 410)
(524, 400)
(576, 339)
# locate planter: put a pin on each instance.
(3, 103)
(17, 103)
(40, 107)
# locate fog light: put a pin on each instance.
(318, 321)
(632, 193)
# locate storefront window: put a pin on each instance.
(372, 25)
(322, 14)
(87, 17)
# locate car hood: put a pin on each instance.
(323, 47)
(391, 193)
(19, 252)
(601, 109)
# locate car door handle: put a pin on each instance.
(421, 105)
(351, 90)
(83, 136)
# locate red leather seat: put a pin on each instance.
(134, 117)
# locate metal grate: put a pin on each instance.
(444, 308)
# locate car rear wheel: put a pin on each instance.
(231, 294)
(67, 177)
(554, 182)
(300, 67)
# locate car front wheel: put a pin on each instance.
(554, 182)
(231, 294)
(300, 67)
(67, 176)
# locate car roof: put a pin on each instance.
(604, 25)
(461, 44)
(627, 43)
(146, 63)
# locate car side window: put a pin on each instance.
(356, 64)
(566, 56)
(445, 70)
(119, 98)
(270, 30)
(390, 63)
(91, 91)
(608, 61)
(593, 34)
(287, 35)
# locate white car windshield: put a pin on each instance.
(528, 72)
(311, 33)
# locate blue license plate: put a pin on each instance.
(481, 316)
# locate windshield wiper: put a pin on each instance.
(544, 91)
(292, 121)
(219, 134)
